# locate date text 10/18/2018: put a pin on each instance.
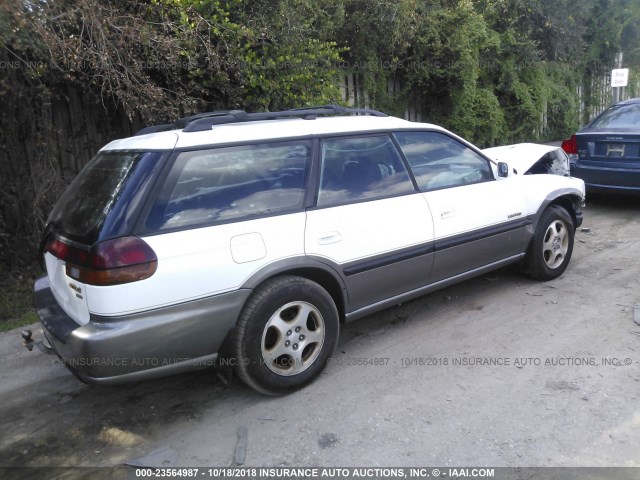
(314, 472)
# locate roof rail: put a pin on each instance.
(204, 121)
(183, 122)
(307, 113)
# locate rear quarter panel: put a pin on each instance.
(201, 262)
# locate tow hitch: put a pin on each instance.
(28, 343)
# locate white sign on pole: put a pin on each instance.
(619, 77)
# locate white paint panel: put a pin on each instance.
(357, 231)
(468, 208)
(73, 302)
(536, 188)
(248, 248)
(151, 141)
(471, 207)
(198, 263)
(264, 130)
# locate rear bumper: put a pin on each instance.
(598, 178)
(140, 346)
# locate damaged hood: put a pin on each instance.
(531, 158)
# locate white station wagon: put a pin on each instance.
(252, 237)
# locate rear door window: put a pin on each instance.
(232, 183)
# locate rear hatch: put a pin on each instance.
(609, 158)
(102, 203)
(609, 147)
(613, 138)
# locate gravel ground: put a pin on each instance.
(497, 371)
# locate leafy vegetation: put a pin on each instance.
(15, 298)
(76, 73)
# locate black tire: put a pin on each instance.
(552, 244)
(285, 335)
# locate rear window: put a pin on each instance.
(232, 183)
(102, 200)
(618, 117)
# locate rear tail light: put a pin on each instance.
(570, 145)
(113, 262)
(66, 252)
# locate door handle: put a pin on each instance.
(329, 237)
(448, 213)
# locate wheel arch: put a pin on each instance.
(571, 203)
(569, 200)
(326, 276)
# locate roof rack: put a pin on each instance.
(204, 121)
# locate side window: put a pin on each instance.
(232, 183)
(361, 168)
(439, 161)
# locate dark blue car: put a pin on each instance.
(606, 153)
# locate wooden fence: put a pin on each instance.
(593, 96)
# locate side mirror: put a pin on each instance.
(503, 169)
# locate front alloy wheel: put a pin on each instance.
(552, 244)
(556, 244)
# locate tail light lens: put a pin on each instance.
(570, 145)
(113, 262)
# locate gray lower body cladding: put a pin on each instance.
(191, 335)
(139, 346)
(376, 281)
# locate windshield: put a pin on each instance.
(102, 199)
(619, 117)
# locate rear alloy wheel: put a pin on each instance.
(285, 335)
(292, 338)
(552, 245)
